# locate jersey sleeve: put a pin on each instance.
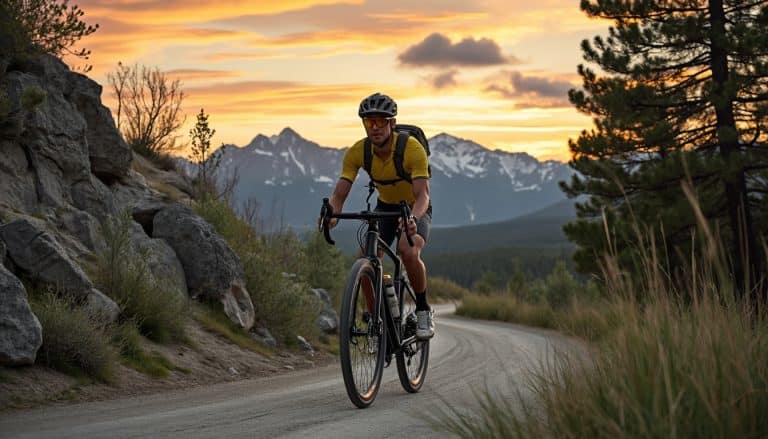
(353, 161)
(415, 160)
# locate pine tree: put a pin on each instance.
(681, 95)
(47, 26)
(207, 161)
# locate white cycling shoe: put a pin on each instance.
(425, 325)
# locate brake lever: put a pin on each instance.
(405, 212)
(326, 212)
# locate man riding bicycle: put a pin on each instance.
(378, 113)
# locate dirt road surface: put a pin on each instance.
(467, 356)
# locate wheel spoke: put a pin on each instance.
(361, 342)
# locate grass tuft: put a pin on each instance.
(217, 322)
(73, 338)
(676, 357)
(123, 274)
(154, 364)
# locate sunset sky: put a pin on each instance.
(493, 71)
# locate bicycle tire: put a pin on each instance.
(362, 348)
(412, 360)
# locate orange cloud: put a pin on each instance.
(199, 11)
(187, 75)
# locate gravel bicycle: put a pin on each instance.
(374, 325)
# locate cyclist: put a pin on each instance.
(378, 113)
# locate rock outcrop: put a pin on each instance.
(211, 268)
(43, 260)
(65, 170)
(20, 332)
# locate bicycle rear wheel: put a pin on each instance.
(413, 358)
(362, 337)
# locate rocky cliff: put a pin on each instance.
(64, 170)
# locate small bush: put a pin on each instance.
(508, 309)
(444, 289)
(324, 266)
(31, 97)
(283, 304)
(123, 274)
(75, 339)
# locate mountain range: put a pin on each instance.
(289, 175)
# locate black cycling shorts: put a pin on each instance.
(388, 227)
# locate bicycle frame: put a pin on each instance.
(371, 322)
(370, 252)
(401, 283)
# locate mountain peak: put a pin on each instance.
(288, 131)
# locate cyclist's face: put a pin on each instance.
(378, 128)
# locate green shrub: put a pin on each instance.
(283, 304)
(75, 339)
(324, 266)
(31, 97)
(508, 309)
(123, 274)
(47, 26)
(441, 288)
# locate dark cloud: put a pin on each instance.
(546, 92)
(540, 86)
(444, 80)
(437, 50)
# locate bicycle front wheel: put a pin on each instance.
(362, 336)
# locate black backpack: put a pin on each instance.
(404, 132)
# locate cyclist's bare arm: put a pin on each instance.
(339, 196)
(421, 192)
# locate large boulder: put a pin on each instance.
(43, 260)
(110, 155)
(20, 332)
(211, 267)
(161, 260)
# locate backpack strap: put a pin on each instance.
(402, 141)
(368, 163)
(367, 156)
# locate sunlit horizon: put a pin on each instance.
(486, 71)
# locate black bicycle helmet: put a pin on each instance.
(377, 103)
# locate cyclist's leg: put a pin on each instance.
(417, 274)
(387, 229)
(411, 256)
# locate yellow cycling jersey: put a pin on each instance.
(414, 162)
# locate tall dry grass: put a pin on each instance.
(74, 338)
(688, 360)
(123, 274)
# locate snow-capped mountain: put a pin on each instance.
(289, 175)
